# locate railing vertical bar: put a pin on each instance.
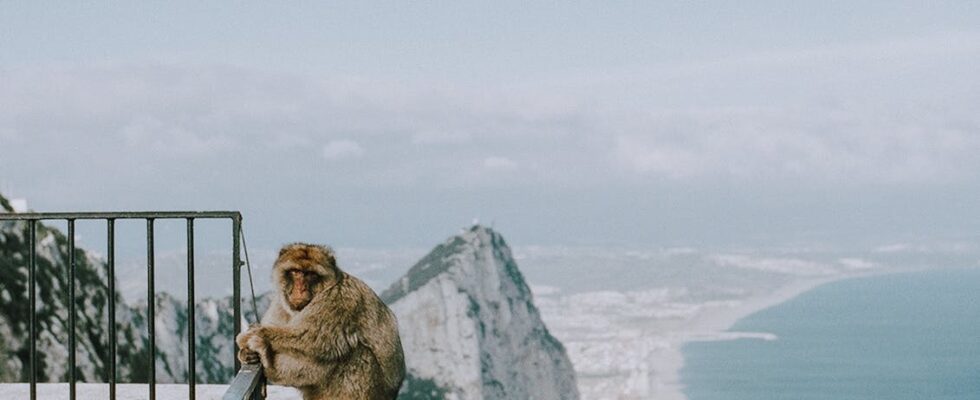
(151, 309)
(71, 310)
(32, 272)
(111, 266)
(236, 231)
(191, 348)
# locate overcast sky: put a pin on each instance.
(396, 124)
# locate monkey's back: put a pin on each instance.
(379, 332)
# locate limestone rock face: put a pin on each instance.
(469, 326)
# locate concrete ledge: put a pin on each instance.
(130, 391)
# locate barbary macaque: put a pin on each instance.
(326, 332)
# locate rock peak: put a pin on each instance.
(478, 239)
(469, 325)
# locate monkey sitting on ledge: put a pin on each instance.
(326, 333)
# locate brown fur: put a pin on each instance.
(328, 335)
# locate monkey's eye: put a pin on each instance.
(308, 276)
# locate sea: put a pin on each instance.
(899, 336)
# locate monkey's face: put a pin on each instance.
(302, 271)
(300, 287)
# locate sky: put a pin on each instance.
(384, 124)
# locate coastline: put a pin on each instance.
(839, 340)
(713, 325)
(628, 345)
(625, 337)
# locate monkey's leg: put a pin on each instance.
(298, 370)
(357, 377)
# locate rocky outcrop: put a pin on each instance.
(470, 329)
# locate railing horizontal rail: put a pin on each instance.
(246, 385)
(120, 215)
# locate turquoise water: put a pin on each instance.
(903, 336)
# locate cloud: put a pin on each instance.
(826, 144)
(440, 137)
(857, 263)
(500, 164)
(160, 137)
(787, 117)
(342, 149)
(7, 134)
(893, 248)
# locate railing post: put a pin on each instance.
(236, 231)
(151, 309)
(111, 267)
(71, 310)
(191, 346)
(32, 277)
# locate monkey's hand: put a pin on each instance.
(253, 347)
(247, 356)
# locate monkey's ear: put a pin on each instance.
(328, 255)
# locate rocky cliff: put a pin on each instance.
(470, 328)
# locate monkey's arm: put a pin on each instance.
(275, 315)
(284, 368)
(327, 342)
(327, 328)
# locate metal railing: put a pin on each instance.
(33, 219)
(247, 384)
